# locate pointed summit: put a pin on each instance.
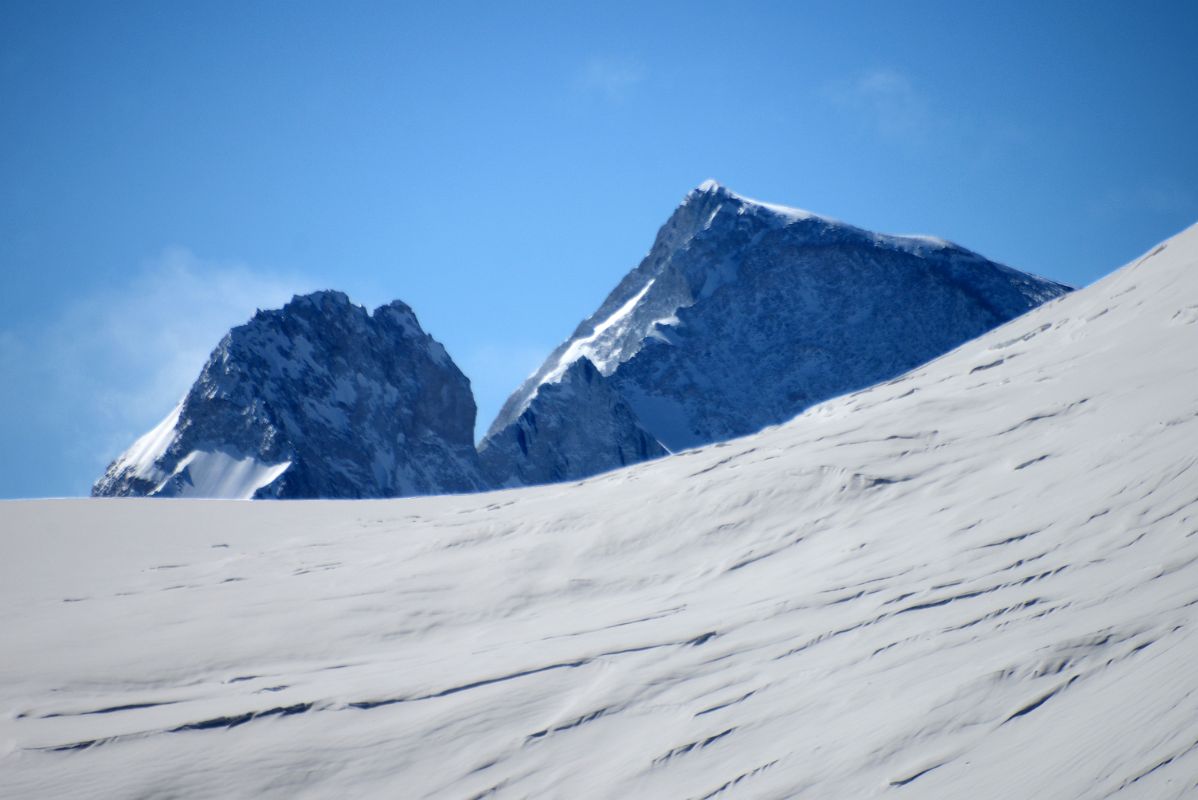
(743, 314)
(709, 194)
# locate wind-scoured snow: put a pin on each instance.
(139, 460)
(217, 474)
(198, 473)
(977, 580)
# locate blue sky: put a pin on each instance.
(166, 168)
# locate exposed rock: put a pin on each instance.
(744, 314)
(318, 399)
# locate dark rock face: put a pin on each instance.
(744, 314)
(545, 444)
(317, 399)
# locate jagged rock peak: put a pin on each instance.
(744, 313)
(317, 399)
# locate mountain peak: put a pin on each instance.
(317, 399)
(713, 190)
(743, 314)
(319, 299)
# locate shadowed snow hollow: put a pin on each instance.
(978, 580)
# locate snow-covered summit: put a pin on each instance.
(912, 241)
(716, 189)
(744, 313)
(318, 399)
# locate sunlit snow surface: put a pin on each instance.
(979, 580)
(209, 473)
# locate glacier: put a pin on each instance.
(978, 579)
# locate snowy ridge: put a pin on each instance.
(713, 187)
(744, 313)
(912, 242)
(199, 473)
(976, 580)
(141, 457)
(591, 346)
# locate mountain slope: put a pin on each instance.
(545, 445)
(317, 399)
(745, 313)
(977, 580)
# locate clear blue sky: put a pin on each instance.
(167, 167)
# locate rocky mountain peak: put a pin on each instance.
(317, 399)
(744, 313)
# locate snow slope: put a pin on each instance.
(742, 315)
(977, 580)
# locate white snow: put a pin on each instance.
(933, 241)
(590, 345)
(207, 473)
(150, 446)
(912, 242)
(784, 211)
(978, 580)
(218, 474)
